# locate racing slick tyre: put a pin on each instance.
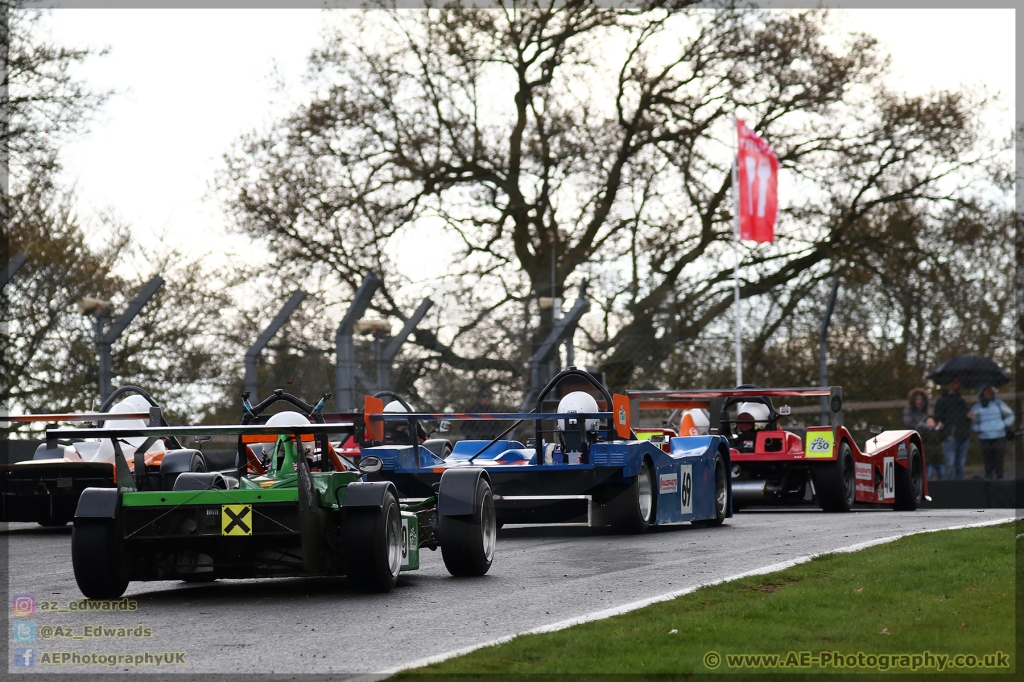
(373, 545)
(439, 447)
(467, 542)
(909, 481)
(94, 557)
(177, 462)
(54, 523)
(835, 482)
(632, 510)
(721, 497)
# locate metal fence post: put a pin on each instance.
(104, 340)
(252, 355)
(391, 350)
(11, 269)
(826, 318)
(563, 330)
(345, 352)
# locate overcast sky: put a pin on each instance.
(194, 81)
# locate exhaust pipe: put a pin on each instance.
(749, 492)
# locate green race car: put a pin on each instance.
(294, 509)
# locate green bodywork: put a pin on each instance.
(280, 484)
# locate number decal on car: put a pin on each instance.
(888, 478)
(686, 489)
(405, 541)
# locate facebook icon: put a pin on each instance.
(24, 657)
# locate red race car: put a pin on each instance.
(773, 466)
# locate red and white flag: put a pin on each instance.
(758, 175)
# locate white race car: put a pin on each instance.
(46, 488)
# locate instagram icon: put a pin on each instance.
(23, 605)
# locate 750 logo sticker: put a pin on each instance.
(819, 444)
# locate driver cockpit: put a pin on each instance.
(753, 415)
(569, 429)
(569, 441)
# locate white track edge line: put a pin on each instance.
(633, 606)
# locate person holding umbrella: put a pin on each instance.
(953, 420)
(968, 371)
(992, 419)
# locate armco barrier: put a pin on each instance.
(975, 493)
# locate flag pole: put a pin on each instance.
(736, 249)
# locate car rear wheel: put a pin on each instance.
(835, 482)
(467, 542)
(440, 447)
(96, 559)
(633, 509)
(54, 523)
(373, 545)
(721, 496)
(909, 481)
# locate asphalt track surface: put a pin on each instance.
(540, 576)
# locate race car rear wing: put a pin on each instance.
(713, 399)
(618, 419)
(80, 417)
(154, 433)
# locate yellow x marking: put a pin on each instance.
(236, 519)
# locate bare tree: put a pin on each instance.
(48, 350)
(598, 139)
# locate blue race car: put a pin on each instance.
(583, 466)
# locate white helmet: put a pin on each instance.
(133, 403)
(289, 418)
(395, 406)
(578, 401)
(699, 420)
(758, 412)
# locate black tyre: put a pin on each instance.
(721, 496)
(440, 447)
(200, 480)
(373, 545)
(634, 509)
(96, 559)
(835, 482)
(467, 542)
(909, 481)
(177, 462)
(54, 523)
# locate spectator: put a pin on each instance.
(915, 417)
(953, 420)
(992, 418)
(483, 429)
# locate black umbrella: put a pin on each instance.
(973, 371)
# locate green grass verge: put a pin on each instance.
(947, 593)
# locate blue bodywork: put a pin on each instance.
(526, 491)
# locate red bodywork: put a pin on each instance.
(869, 463)
(778, 446)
